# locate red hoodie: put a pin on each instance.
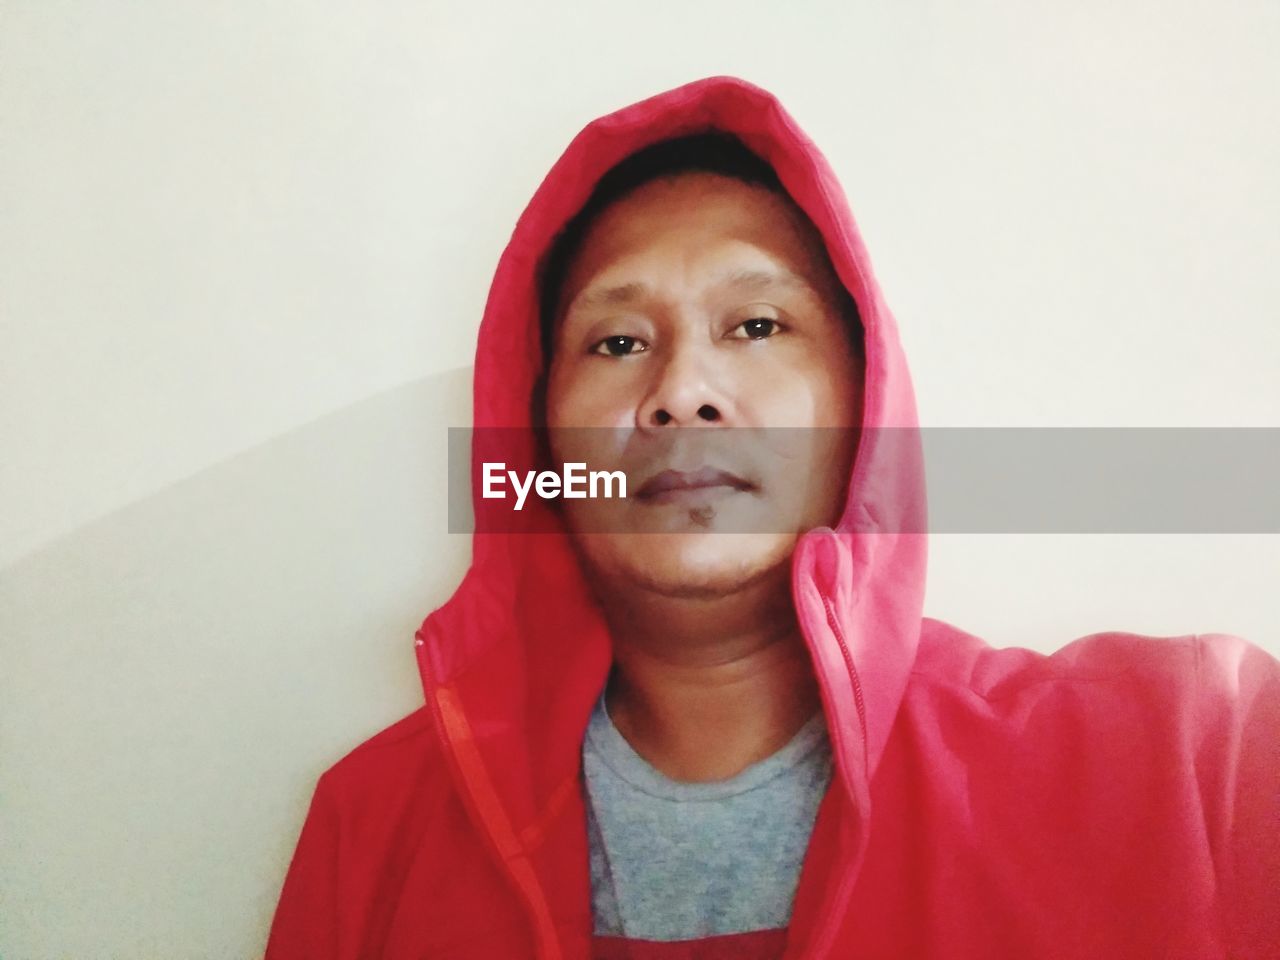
(1119, 798)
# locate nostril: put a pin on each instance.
(662, 417)
(707, 412)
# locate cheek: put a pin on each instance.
(785, 395)
(586, 424)
(805, 382)
(835, 390)
(577, 399)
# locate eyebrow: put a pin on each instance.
(751, 280)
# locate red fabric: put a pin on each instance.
(1119, 798)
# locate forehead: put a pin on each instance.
(696, 220)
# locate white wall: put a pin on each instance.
(243, 253)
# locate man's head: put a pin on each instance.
(691, 291)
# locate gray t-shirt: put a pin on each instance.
(672, 860)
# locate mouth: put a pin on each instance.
(676, 485)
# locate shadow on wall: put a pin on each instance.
(176, 674)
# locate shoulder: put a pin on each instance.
(402, 758)
(1203, 707)
(1186, 667)
(1231, 667)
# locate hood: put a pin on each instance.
(512, 663)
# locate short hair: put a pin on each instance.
(710, 151)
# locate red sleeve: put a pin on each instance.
(1240, 785)
(305, 924)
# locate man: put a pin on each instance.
(730, 319)
(709, 719)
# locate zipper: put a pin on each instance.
(850, 876)
(853, 673)
(485, 806)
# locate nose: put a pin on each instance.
(682, 394)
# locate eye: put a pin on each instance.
(758, 328)
(618, 346)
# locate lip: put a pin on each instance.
(675, 484)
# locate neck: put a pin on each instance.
(703, 688)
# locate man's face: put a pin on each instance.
(700, 316)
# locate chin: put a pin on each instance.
(696, 565)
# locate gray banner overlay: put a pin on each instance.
(977, 480)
